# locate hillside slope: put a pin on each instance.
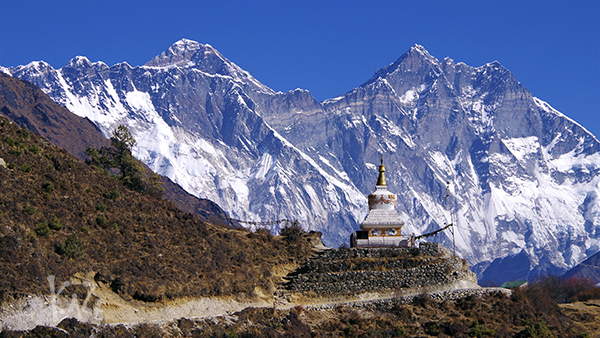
(60, 217)
(490, 315)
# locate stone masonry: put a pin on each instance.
(358, 270)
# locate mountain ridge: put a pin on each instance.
(588, 269)
(263, 155)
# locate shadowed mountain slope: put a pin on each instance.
(29, 107)
(589, 269)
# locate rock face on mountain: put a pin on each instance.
(524, 179)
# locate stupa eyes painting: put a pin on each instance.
(375, 232)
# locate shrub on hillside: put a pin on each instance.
(48, 187)
(112, 194)
(558, 290)
(546, 293)
(479, 330)
(586, 295)
(118, 159)
(24, 132)
(9, 140)
(101, 207)
(292, 232)
(422, 299)
(538, 330)
(55, 224)
(42, 229)
(101, 220)
(543, 294)
(262, 234)
(71, 247)
(30, 210)
(26, 168)
(574, 286)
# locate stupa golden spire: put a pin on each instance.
(381, 179)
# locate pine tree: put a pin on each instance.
(119, 161)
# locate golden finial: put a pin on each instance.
(381, 179)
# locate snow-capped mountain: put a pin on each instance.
(195, 118)
(524, 179)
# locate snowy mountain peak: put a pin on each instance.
(82, 62)
(79, 61)
(495, 66)
(417, 53)
(185, 44)
(180, 53)
(39, 65)
(416, 59)
(416, 48)
(206, 59)
(35, 66)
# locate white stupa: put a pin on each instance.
(382, 227)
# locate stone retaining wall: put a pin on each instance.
(357, 270)
(388, 303)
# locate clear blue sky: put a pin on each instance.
(327, 47)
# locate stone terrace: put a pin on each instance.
(357, 270)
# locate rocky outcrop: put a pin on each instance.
(358, 270)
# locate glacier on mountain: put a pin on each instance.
(524, 179)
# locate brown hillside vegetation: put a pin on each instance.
(59, 216)
(208, 210)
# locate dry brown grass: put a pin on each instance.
(586, 315)
(144, 247)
